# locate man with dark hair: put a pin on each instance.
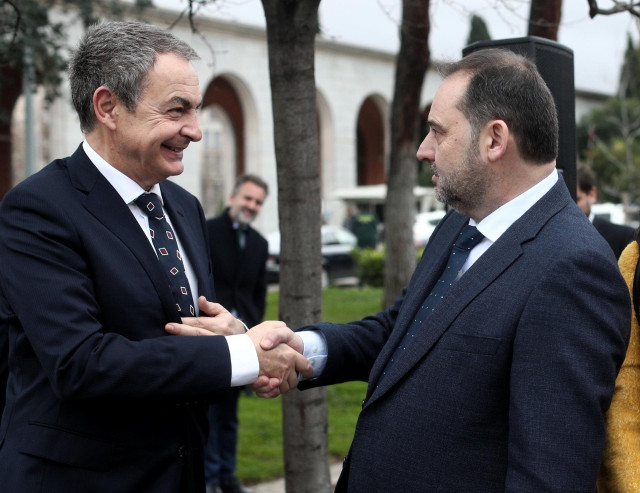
(102, 258)
(238, 256)
(493, 369)
(617, 235)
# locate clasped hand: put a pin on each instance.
(279, 349)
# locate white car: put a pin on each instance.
(337, 261)
(424, 225)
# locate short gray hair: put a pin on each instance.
(255, 179)
(118, 55)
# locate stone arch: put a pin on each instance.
(8, 99)
(424, 118)
(228, 122)
(219, 158)
(325, 140)
(371, 141)
(424, 172)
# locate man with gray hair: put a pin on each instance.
(102, 258)
(239, 260)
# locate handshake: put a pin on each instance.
(279, 349)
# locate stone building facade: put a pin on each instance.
(354, 91)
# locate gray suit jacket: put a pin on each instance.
(506, 386)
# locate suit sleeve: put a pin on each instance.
(564, 366)
(4, 353)
(353, 348)
(619, 472)
(49, 280)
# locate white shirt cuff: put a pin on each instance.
(245, 366)
(315, 350)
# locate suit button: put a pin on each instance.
(182, 451)
(363, 401)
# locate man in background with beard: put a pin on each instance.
(238, 256)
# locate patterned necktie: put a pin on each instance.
(166, 247)
(468, 238)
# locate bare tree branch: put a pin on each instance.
(192, 10)
(632, 7)
(17, 23)
(611, 158)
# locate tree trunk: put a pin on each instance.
(291, 31)
(411, 66)
(544, 18)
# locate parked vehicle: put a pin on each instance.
(424, 225)
(337, 262)
(611, 212)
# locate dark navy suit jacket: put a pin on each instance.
(617, 235)
(99, 397)
(241, 279)
(506, 385)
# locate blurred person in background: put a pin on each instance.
(617, 235)
(238, 256)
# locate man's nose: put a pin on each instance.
(425, 151)
(191, 129)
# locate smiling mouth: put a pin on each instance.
(174, 149)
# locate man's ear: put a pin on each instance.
(496, 139)
(593, 195)
(105, 106)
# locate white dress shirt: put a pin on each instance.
(245, 365)
(492, 227)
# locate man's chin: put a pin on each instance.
(244, 220)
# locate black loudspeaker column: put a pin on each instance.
(555, 64)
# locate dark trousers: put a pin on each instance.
(220, 456)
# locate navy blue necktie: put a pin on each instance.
(468, 238)
(166, 247)
(242, 237)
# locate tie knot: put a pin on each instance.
(150, 204)
(469, 237)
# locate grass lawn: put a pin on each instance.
(260, 436)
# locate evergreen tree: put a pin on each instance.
(478, 30)
(630, 71)
(28, 33)
(607, 139)
(26, 24)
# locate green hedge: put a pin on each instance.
(370, 265)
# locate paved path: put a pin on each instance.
(277, 486)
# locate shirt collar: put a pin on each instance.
(128, 189)
(237, 225)
(504, 216)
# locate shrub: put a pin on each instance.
(370, 265)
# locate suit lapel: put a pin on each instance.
(482, 273)
(421, 284)
(104, 203)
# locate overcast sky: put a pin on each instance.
(598, 44)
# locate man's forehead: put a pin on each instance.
(176, 79)
(452, 87)
(250, 188)
(447, 96)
